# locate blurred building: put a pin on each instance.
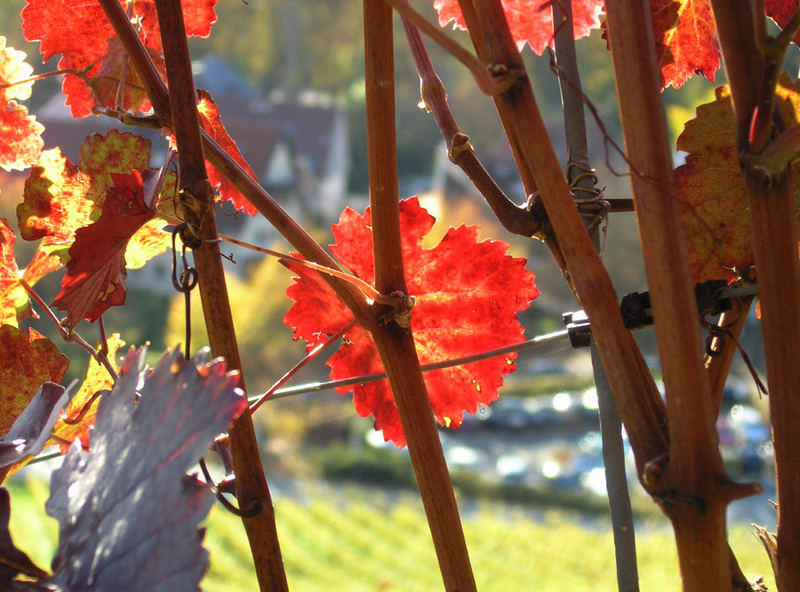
(298, 149)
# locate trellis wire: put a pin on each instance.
(535, 342)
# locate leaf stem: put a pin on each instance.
(69, 336)
(297, 367)
(774, 51)
(43, 76)
(473, 64)
(366, 289)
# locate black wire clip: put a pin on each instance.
(713, 297)
(184, 282)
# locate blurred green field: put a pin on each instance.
(373, 544)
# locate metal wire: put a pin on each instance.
(538, 341)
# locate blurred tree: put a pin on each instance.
(11, 28)
(290, 46)
(244, 35)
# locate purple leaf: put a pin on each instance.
(31, 429)
(128, 515)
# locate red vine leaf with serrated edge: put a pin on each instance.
(20, 133)
(41, 264)
(781, 11)
(77, 420)
(54, 200)
(27, 359)
(686, 42)
(87, 47)
(467, 295)
(209, 118)
(14, 301)
(94, 281)
(60, 197)
(711, 187)
(530, 22)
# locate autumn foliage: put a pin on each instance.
(458, 311)
(21, 133)
(115, 210)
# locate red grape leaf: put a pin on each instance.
(467, 295)
(85, 37)
(20, 133)
(198, 17)
(87, 45)
(149, 241)
(41, 264)
(82, 408)
(27, 359)
(128, 514)
(781, 11)
(14, 301)
(209, 118)
(55, 203)
(686, 42)
(82, 44)
(59, 197)
(103, 84)
(711, 187)
(530, 22)
(94, 281)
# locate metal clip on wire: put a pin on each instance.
(713, 297)
(578, 328)
(185, 282)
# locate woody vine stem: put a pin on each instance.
(394, 341)
(198, 206)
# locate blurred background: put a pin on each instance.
(288, 79)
